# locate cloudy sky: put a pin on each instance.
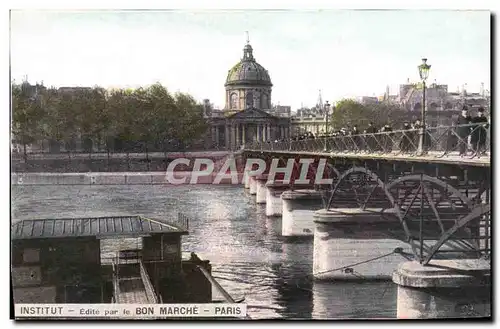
(343, 53)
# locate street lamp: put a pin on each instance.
(423, 70)
(327, 113)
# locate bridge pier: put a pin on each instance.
(298, 211)
(353, 244)
(457, 288)
(260, 194)
(246, 180)
(253, 185)
(274, 205)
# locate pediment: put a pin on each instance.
(252, 113)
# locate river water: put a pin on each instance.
(248, 255)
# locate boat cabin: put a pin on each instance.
(121, 259)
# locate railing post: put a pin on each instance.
(421, 142)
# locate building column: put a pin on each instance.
(269, 131)
(238, 141)
(258, 137)
(226, 136)
(233, 136)
(212, 130)
(243, 136)
(217, 137)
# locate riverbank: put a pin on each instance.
(119, 178)
(103, 162)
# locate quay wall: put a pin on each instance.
(113, 178)
(83, 163)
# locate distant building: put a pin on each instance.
(442, 106)
(248, 115)
(311, 120)
(367, 100)
(72, 89)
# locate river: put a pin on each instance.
(248, 255)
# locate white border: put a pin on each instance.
(186, 4)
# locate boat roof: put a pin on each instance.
(100, 227)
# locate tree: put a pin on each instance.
(387, 113)
(149, 116)
(190, 118)
(348, 112)
(165, 111)
(26, 114)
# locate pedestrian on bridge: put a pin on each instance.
(387, 138)
(404, 145)
(356, 138)
(371, 139)
(463, 130)
(478, 136)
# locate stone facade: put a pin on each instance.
(248, 115)
(442, 107)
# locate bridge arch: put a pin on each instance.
(357, 170)
(377, 183)
(428, 205)
(438, 211)
(481, 210)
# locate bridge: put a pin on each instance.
(391, 170)
(433, 184)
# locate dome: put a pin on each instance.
(248, 71)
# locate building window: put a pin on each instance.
(249, 101)
(264, 101)
(234, 100)
(31, 255)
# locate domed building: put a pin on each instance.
(248, 84)
(248, 115)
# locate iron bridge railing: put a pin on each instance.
(471, 140)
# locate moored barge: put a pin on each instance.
(63, 260)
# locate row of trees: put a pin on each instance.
(349, 112)
(118, 119)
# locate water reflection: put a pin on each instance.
(366, 300)
(295, 281)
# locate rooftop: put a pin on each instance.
(130, 226)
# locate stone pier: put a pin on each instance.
(246, 179)
(274, 205)
(445, 288)
(355, 244)
(298, 211)
(260, 194)
(253, 185)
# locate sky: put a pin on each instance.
(342, 53)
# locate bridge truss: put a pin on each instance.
(443, 206)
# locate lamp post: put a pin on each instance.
(423, 70)
(327, 113)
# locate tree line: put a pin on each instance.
(140, 119)
(349, 112)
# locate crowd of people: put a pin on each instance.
(473, 130)
(470, 131)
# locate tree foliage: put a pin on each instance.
(122, 118)
(349, 112)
